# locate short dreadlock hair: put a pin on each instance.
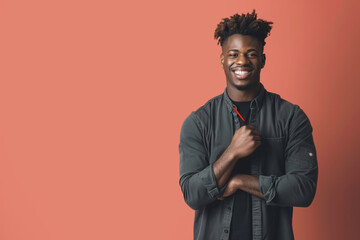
(245, 24)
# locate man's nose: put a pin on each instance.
(242, 59)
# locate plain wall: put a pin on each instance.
(93, 95)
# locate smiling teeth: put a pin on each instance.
(241, 72)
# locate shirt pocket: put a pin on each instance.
(273, 157)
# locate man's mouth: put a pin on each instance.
(242, 74)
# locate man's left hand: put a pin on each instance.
(231, 188)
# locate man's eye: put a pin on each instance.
(252, 55)
(233, 55)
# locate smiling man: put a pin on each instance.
(247, 156)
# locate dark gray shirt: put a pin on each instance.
(285, 163)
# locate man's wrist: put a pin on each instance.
(231, 153)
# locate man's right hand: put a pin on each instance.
(244, 142)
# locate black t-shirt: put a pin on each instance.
(241, 222)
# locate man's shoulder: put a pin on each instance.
(203, 113)
(283, 109)
(199, 118)
(276, 102)
(209, 104)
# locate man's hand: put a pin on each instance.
(246, 183)
(231, 188)
(244, 142)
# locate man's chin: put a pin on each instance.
(247, 86)
(242, 87)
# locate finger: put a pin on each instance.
(257, 138)
(257, 143)
(253, 129)
(255, 132)
(220, 198)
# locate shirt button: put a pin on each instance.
(226, 231)
(229, 208)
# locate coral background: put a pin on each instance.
(93, 95)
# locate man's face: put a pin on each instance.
(242, 59)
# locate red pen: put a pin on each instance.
(239, 114)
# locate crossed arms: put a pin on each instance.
(203, 183)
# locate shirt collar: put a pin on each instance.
(256, 103)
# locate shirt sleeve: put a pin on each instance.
(197, 178)
(298, 186)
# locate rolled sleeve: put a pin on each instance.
(298, 186)
(208, 179)
(197, 178)
(266, 185)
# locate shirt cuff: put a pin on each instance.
(267, 187)
(208, 178)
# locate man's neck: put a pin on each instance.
(242, 95)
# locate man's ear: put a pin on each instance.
(263, 60)
(222, 60)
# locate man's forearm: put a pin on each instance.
(245, 140)
(223, 167)
(250, 184)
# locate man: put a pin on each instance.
(247, 157)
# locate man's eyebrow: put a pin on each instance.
(237, 50)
